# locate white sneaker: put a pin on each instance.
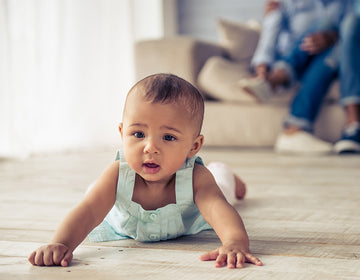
(258, 88)
(302, 143)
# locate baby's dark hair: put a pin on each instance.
(169, 88)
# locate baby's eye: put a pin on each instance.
(169, 138)
(139, 134)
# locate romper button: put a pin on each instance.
(153, 216)
(153, 236)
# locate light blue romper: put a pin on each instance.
(127, 219)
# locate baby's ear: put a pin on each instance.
(121, 129)
(196, 146)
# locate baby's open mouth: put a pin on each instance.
(151, 168)
(151, 165)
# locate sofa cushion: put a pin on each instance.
(258, 125)
(239, 39)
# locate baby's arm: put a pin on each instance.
(80, 221)
(224, 219)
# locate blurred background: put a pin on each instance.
(67, 65)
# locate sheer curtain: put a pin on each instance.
(65, 68)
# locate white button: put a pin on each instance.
(153, 236)
(153, 216)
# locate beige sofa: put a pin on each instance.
(232, 117)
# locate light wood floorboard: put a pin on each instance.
(302, 215)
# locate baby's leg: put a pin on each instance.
(231, 185)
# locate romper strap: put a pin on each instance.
(126, 179)
(184, 181)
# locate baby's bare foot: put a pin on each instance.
(240, 188)
(230, 184)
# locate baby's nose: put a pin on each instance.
(151, 147)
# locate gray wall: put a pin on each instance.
(198, 17)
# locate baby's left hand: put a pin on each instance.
(232, 255)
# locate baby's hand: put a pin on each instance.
(232, 255)
(51, 254)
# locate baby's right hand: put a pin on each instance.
(51, 254)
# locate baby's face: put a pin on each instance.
(157, 138)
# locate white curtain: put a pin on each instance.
(65, 68)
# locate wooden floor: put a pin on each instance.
(302, 215)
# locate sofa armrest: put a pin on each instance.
(180, 55)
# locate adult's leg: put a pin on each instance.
(297, 137)
(350, 66)
(315, 83)
(349, 80)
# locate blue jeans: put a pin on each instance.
(278, 36)
(350, 56)
(315, 72)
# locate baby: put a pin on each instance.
(158, 188)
